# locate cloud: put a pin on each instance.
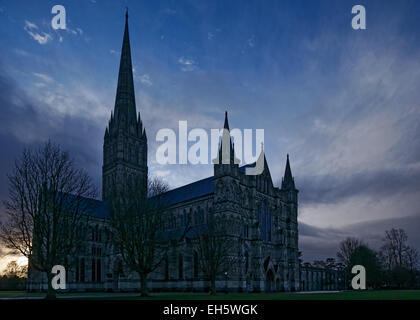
(30, 25)
(43, 77)
(352, 131)
(321, 243)
(162, 173)
(373, 183)
(145, 79)
(343, 104)
(41, 38)
(251, 41)
(76, 31)
(31, 118)
(187, 64)
(170, 11)
(115, 53)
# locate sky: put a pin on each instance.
(343, 103)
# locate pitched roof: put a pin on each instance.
(188, 192)
(101, 209)
(249, 165)
(92, 207)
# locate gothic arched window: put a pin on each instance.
(93, 269)
(190, 216)
(269, 223)
(77, 270)
(265, 221)
(98, 270)
(184, 217)
(166, 268)
(82, 270)
(180, 267)
(246, 261)
(96, 237)
(195, 264)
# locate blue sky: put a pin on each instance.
(343, 103)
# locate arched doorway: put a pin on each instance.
(278, 284)
(117, 272)
(269, 281)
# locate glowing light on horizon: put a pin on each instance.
(22, 261)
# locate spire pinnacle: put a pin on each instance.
(125, 103)
(288, 182)
(226, 149)
(226, 126)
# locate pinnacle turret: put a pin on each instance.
(288, 182)
(228, 155)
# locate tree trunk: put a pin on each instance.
(143, 282)
(213, 285)
(51, 294)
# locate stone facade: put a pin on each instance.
(320, 279)
(262, 217)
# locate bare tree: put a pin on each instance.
(156, 187)
(412, 257)
(217, 250)
(330, 263)
(319, 264)
(137, 226)
(13, 269)
(347, 248)
(396, 252)
(47, 208)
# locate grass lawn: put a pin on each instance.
(18, 294)
(345, 295)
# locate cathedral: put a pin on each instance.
(261, 215)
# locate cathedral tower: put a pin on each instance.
(288, 184)
(125, 141)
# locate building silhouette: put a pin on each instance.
(262, 217)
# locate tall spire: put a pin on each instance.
(227, 155)
(226, 125)
(125, 103)
(125, 141)
(288, 182)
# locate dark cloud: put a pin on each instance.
(344, 106)
(27, 122)
(307, 230)
(321, 243)
(374, 184)
(374, 231)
